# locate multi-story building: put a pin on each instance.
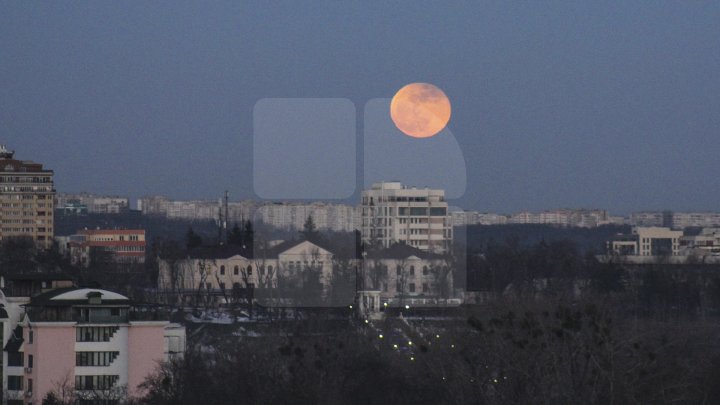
(419, 217)
(94, 204)
(115, 245)
(582, 218)
(406, 275)
(280, 271)
(465, 218)
(279, 215)
(707, 242)
(396, 276)
(648, 242)
(26, 199)
(95, 343)
(676, 220)
(292, 215)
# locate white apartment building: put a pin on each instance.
(393, 213)
(95, 203)
(647, 241)
(279, 215)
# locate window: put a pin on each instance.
(222, 270)
(15, 383)
(115, 311)
(29, 385)
(30, 337)
(385, 287)
(236, 270)
(398, 287)
(412, 270)
(425, 271)
(398, 269)
(425, 287)
(249, 270)
(411, 287)
(30, 360)
(15, 359)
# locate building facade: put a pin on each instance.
(393, 213)
(92, 342)
(26, 199)
(94, 204)
(114, 245)
(647, 242)
(224, 274)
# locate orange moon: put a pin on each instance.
(420, 110)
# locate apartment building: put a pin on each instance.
(94, 342)
(393, 213)
(95, 204)
(26, 199)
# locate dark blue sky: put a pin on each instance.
(599, 104)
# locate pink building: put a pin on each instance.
(93, 342)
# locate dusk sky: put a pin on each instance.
(610, 105)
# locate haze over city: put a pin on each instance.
(611, 105)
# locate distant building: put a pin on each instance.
(26, 199)
(676, 220)
(220, 274)
(418, 217)
(647, 242)
(707, 242)
(94, 204)
(95, 342)
(581, 218)
(406, 275)
(292, 215)
(114, 245)
(465, 218)
(279, 215)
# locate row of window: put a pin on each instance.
(24, 230)
(23, 197)
(95, 382)
(19, 205)
(11, 189)
(25, 179)
(410, 287)
(86, 359)
(95, 333)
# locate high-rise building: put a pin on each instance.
(26, 199)
(419, 217)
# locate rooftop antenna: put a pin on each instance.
(5, 153)
(225, 224)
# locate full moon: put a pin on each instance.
(420, 110)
